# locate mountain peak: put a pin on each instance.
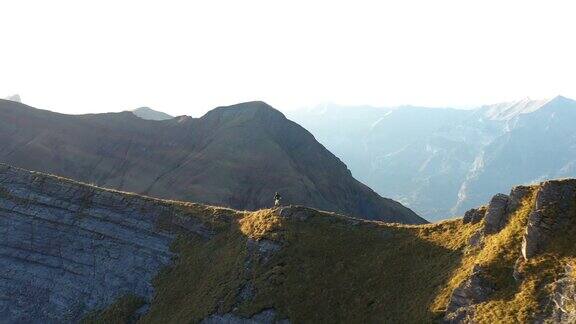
(235, 156)
(150, 114)
(245, 110)
(251, 106)
(559, 99)
(508, 110)
(15, 98)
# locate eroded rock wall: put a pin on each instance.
(67, 249)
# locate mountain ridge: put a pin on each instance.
(508, 261)
(231, 157)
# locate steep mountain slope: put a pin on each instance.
(79, 252)
(341, 127)
(150, 114)
(398, 152)
(440, 162)
(235, 156)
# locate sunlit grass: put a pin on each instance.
(332, 269)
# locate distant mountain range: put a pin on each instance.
(236, 156)
(441, 161)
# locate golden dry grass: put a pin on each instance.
(331, 269)
(498, 255)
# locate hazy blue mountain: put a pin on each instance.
(536, 144)
(440, 161)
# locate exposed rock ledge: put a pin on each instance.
(476, 289)
(555, 202)
(67, 248)
(552, 214)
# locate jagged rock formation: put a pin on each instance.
(553, 211)
(496, 214)
(235, 156)
(517, 195)
(474, 215)
(544, 217)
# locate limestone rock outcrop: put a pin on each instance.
(564, 298)
(517, 195)
(555, 202)
(496, 214)
(67, 249)
(475, 215)
(476, 289)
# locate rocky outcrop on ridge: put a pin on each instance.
(496, 214)
(548, 213)
(554, 210)
(474, 215)
(474, 290)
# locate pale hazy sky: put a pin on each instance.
(186, 57)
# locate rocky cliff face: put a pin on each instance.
(552, 213)
(236, 156)
(67, 249)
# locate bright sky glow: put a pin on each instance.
(186, 57)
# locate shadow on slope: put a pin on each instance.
(310, 266)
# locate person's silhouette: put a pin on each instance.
(277, 199)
